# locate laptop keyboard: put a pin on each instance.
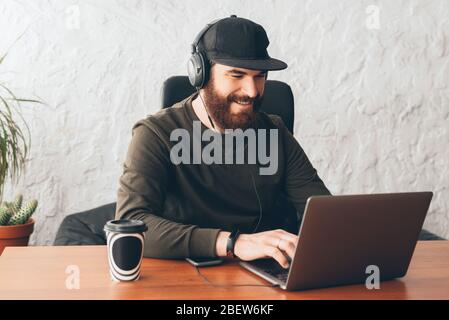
(272, 267)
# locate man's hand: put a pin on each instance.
(276, 244)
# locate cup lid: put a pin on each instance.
(125, 226)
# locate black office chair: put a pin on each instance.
(86, 228)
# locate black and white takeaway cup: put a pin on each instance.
(125, 240)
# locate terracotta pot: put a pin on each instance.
(14, 236)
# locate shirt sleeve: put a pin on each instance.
(301, 178)
(141, 195)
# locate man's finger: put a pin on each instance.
(277, 255)
(288, 247)
(288, 236)
(283, 244)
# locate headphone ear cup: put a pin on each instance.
(205, 69)
(198, 70)
(195, 70)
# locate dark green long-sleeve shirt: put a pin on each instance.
(186, 205)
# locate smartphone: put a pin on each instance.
(204, 262)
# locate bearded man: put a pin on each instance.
(226, 208)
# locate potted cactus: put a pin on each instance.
(16, 224)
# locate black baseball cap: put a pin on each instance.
(240, 43)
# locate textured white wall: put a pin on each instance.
(372, 99)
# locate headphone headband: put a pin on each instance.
(198, 65)
(194, 47)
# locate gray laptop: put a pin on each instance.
(341, 236)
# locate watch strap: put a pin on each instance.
(232, 239)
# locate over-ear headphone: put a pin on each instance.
(198, 66)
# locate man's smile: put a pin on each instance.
(243, 106)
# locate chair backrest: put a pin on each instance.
(278, 97)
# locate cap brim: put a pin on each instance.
(269, 64)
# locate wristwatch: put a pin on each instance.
(232, 239)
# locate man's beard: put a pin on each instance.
(219, 109)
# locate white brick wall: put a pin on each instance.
(372, 100)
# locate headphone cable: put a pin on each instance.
(205, 108)
(241, 285)
(232, 285)
(257, 226)
(258, 200)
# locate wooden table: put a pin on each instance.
(40, 273)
